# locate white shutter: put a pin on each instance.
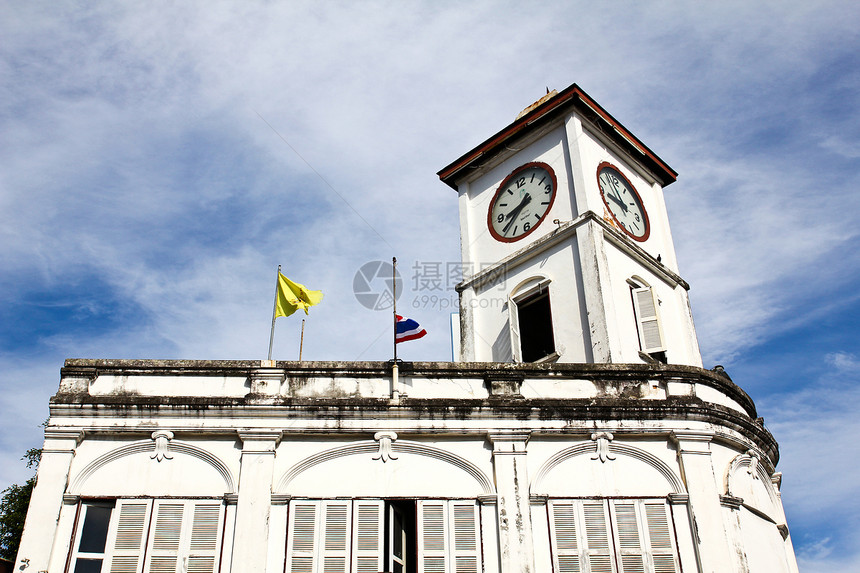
(660, 537)
(432, 536)
(203, 546)
(465, 543)
(514, 322)
(335, 536)
(597, 554)
(629, 545)
(563, 535)
(368, 527)
(127, 535)
(647, 320)
(301, 537)
(165, 537)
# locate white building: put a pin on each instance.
(578, 433)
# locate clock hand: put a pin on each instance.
(516, 211)
(619, 202)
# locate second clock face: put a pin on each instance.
(522, 202)
(622, 200)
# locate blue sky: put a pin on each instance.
(159, 160)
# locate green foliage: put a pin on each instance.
(13, 509)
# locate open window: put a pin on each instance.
(530, 319)
(143, 535)
(612, 536)
(372, 535)
(647, 313)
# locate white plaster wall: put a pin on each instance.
(549, 149)
(139, 474)
(673, 311)
(170, 385)
(491, 327)
(592, 152)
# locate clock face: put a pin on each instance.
(522, 202)
(622, 200)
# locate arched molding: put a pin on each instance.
(590, 447)
(149, 446)
(748, 461)
(372, 447)
(529, 286)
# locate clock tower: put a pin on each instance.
(566, 243)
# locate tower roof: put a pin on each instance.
(549, 108)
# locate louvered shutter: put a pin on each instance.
(660, 532)
(335, 536)
(648, 321)
(629, 544)
(514, 322)
(203, 546)
(301, 536)
(563, 532)
(165, 537)
(597, 536)
(432, 536)
(126, 540)
(465, 544)
(368, 545)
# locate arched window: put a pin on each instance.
(647, 312)
(530, 319)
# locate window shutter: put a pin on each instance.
(597, 537)
(466, 554)
(203, 547)
(301, 536)
(126, 541)
(660, 537)
(432, 536)
(166, 534)
(631, 554)
(514, 324)
(563, 531)
(335, 536)
(367, 531)
(648, 322)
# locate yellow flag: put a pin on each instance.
(293, 296)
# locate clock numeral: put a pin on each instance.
(500, 218)
(521, 181)
(527, 226)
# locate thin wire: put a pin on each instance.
(323, 179)
(372, 343)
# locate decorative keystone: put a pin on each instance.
(602, 447)
(385, 452)
(162, 440)
(751, 469)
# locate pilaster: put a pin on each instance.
(513, 511)
(251, 539)
(706, 512)
(40, 528)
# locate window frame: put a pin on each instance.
(198, 535)
(643, 295)
(454, 544)
(644, 542)
(530, 288)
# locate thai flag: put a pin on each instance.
(407, 329)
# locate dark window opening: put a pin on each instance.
(401, 536)
(535, 320)
(93, 536)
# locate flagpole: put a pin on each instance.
(395, 382)
(302, 340)
(274, 311)
(394, 284)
